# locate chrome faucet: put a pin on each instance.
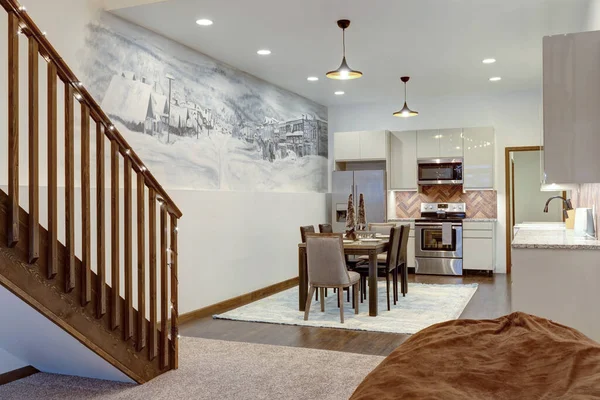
(566, 205)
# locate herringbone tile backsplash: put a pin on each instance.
(480, 203)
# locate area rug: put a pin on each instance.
(215, 369)
(423, 306)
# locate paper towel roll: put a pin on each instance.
(584, 222)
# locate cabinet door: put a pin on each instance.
(403, 160)
(410, 252)
(478, 253)
(373, 145)
(478, 167)
(451, 143)
(346, 145)
(428, 143)
(571, 103)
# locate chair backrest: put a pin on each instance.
(304, 230)
(403, 248)
(325, 259)
(392, 254)
(325, 228)
(383, 228)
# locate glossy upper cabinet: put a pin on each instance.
(439, 143)
(478, 164)
(402, 168)
(572, 107)
(360, 146)
(451, 143)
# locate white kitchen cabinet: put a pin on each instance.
(346, 145)
(571, 101)
(428, 143)
(373, 145)
(451, 143)
(402, 168)
(360, 145)
(478, 246)
(478, 165)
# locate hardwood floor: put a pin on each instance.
(491, 300)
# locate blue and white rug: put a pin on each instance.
(423, 306)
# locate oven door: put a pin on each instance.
(429, 243)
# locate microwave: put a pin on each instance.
(440, 171)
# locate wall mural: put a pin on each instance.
(198, 123)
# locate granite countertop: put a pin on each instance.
(465, 220)
(552, 239)
(401, 219)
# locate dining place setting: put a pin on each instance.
(352, 262)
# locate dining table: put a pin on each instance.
(355, 248)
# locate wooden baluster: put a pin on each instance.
(152, 271)
(114, 205)
(13, 129)
(174, 355)
(69, 190)
(34, 171)
(52, 174)
(128, 311)
(141, 269)
(86, 253)
(100, 224)
(164, 289)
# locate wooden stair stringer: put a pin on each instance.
(47, 296)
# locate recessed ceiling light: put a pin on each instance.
(204, 22)
(263, 52)
(495, 78)
(339, 93)
(489, 61)
(312, 78)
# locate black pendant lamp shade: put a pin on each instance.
(344, 72)
(405, 112)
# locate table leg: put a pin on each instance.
(373, 284)
(303, 278)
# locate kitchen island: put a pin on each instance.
(555, 275)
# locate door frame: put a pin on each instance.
(508, 197)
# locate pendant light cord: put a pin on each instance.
(404, 92)
(344, 41)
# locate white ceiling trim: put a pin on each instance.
(110, 5)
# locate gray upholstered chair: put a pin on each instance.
(391, 264)
(382, 228)
(304, 230)
(325, 228)
(327, 269)
(402, 267)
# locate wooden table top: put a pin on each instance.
(382, 245)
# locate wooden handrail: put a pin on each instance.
(159, 339)
(30, 29)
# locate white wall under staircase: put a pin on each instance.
(29, 338)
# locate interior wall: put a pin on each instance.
(230, 243)
(529, 200)
(8, 362)
(516, 118)
(593, 16)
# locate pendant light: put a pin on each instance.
(405, 112)
(344, 72)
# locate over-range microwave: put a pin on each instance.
(440, 171)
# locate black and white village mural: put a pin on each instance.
(198, 123)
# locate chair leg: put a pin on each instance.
(322, 290)
(341, 300)
(387, 285)
(311, 292)
(395, 286)
(355, 293)
(325, 292)
(348, 296)
(352, 288)
(317, 296)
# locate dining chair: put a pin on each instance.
(327, 269)
(402, 264)
(383, 228)
(387, 269)
(325, 228)
(304, 230)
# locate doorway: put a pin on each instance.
(525, 200)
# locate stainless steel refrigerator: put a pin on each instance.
(370, 183)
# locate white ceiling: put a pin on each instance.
(439, 43)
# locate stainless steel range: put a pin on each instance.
(438, 239)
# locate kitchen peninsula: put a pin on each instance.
(555, 275)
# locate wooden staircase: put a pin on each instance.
(45, 273)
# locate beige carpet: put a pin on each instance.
(215, 369)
